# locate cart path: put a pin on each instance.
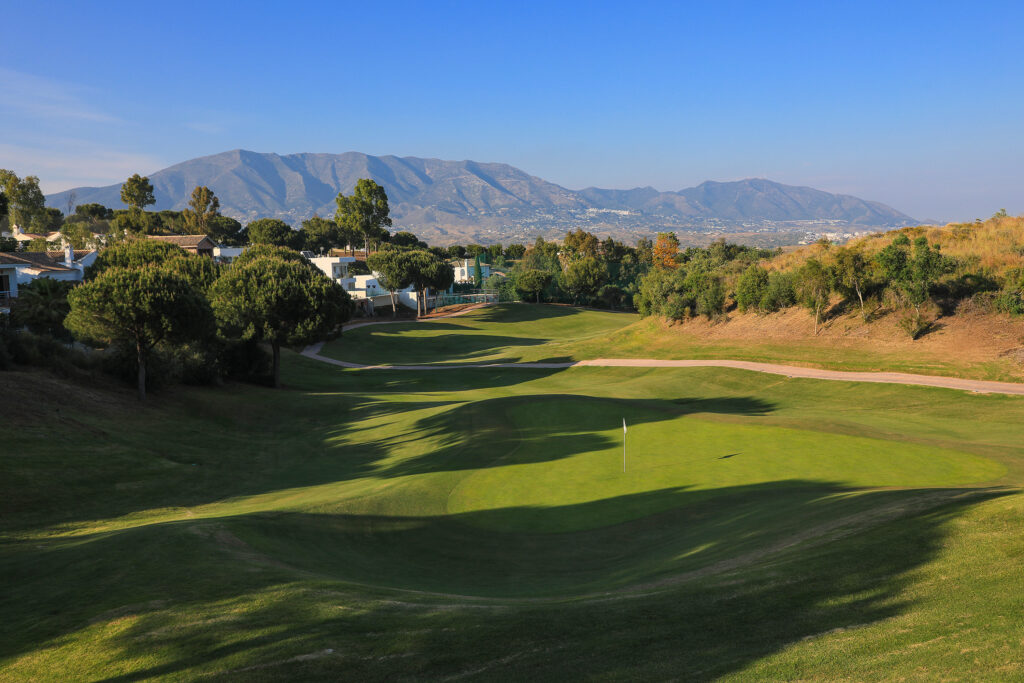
(977, 386)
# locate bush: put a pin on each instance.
(40, 350)
(1010, 301)
(780, 293)
(914, 323)
(751, 288)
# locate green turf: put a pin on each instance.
(508, 333)
(476, 524)
(529, 333)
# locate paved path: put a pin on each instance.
(974, 385)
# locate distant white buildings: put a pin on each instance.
(464, 270)
(336, 268)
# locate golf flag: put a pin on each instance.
(623, 444)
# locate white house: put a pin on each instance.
(23, 237)
(24, 267)
(336, 268)
(464, 270)
(8, 283)
(227, 254)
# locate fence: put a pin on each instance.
(455, 298)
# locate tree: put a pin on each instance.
(427, 270)
(278, 302)
(533, 282)
(474, 250)
(50, 220)
(200, 271)
(665, 250)
(320, 235)
(813, 287)
(258, 251)
(226, 231)
(94, 212)
(407, 239)
(26, 205)
(394, 272)
(581, 242)
(271, 231)
(494, 252)
(751, 287)
(78, 235)
(645, 251)
(3, 204)
(584, 277)
(457, 251)
(515, 252)
(365, 212)
(850, 271)
(203, 207)
(135, 253)
(139, 308)
(41, 306)
(478, 273)
(912, 274)
(137, 193)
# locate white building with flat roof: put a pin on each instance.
(336, 268)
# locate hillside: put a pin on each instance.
(451, 201)
(351, 526)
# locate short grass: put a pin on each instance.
(508, 333)
(511, 333)
(476, 524)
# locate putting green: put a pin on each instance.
(576, 462)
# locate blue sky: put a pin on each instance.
(918, 105)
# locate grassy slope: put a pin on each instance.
(526, 333)
(767, 527)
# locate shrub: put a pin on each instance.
(914, 323)
(751, 288)
(779, 294)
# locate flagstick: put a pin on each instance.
(623, 452)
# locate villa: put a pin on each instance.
(464, 270)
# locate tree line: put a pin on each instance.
(150, 302)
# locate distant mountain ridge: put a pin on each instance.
(441, 200)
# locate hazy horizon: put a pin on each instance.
(914, 106)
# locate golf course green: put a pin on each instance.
(477, 524)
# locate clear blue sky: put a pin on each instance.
(918, 105)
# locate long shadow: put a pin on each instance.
(715, 605)
(381, 345)
(482, 434)
(515, 313)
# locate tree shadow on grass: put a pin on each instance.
(721, 585)
(523, 312)
(406, 345)
(484, 434)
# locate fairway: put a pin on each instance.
(477, 524)
(508, 333)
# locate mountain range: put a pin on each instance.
(448, 201)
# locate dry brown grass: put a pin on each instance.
(994, 246)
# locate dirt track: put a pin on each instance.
(972, 385)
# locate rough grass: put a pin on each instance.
(995, 245)
(972, 346)
(475, 524)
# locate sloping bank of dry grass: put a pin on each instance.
(970, 345)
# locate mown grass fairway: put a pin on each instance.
(475, 524)
(527, 333)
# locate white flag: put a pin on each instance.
(623, 425)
